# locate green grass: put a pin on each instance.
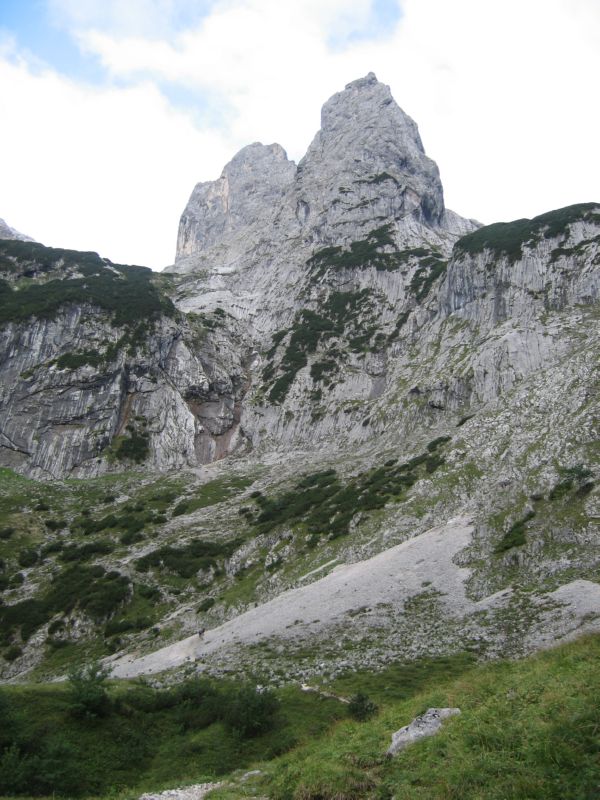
(528, 730)
(211, 493)
(146, 738)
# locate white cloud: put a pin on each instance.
(104, 169)
(502, 91)
(504, 94)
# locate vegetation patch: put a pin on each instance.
(135, 446)
(527, 729)
(508, 238)
(76, 360)
(90, 738)
(188, 559)
(60, 278)
(515, 536)
(325, 506)
(342, 315)
(366, 253)
(429, 270)
(88, 588)
(211, 493)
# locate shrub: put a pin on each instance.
(87, 690)
(361, 707)
(515, 536)
(83, 552)
(151, 593)
(6, 533)
(131, 537)
(251, 712)
(433, 445)
(90, 588)
(28, 557)
(55, 524)
(181, 508)
(12, 653)
(187, 560)
(135, 447)
(207, 603)
(508, 238)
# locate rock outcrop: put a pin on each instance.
(6, 232)
(379, 367)
(248, 235)
(428, 724)
(99, 371)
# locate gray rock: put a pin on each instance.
(6, 232)
(428, 724)
(194, 792)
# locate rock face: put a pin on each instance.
(6, 232)
(88, 386)
(252, 231)
(428, 724)
(367, 162)
(223, 216)
(320, 290)
(377, 367)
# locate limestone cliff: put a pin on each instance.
(408, 400)
(99, 371)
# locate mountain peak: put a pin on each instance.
(370, 79)
(6, 232)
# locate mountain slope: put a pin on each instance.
(335, 366)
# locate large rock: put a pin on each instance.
(428, 724)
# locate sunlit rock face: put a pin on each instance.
(315, 306)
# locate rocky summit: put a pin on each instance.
(347, 426)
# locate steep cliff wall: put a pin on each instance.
(99, 370)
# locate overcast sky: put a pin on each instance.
(111, 110)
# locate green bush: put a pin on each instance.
(83, 552)
(76, 360)
(90, 588)
(361, 707)
(55, 524)
(515, 536)
(135, 447)
(28, 557)
(12, 653)
(251, 712)
(88, 693)
(189, 559)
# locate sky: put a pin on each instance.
(112, 110)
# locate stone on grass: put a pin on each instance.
(427, 724)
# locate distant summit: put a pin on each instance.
(6, 232)
(366, 162)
